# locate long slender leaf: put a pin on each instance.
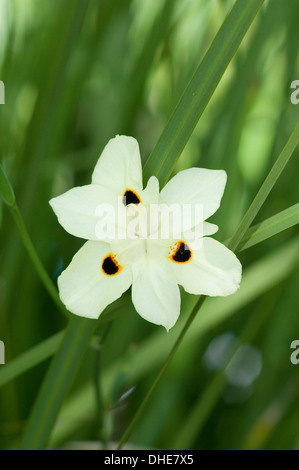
(61, 374)
(47, 348)
(256, 234)
(200, 90)
(30, 358)
(270, 227)
(137, 77)
(266, 188)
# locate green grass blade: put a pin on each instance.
(266, 188)
(206, 402)
(57, 382)
(160, 374)
(30, 358)
(138, 75)
(200, 89)
(30, 248)
(6, 190)
(49, 347)
(270, 227)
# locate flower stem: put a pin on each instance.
(6, 190)
(176, 345)
(28, 244)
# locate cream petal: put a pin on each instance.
(209, 229)
(155, 293)
(213, 270)
(84, 288)
(150, 195)
(198, 187)
(196, 233)
(91, 212)
(119, 166)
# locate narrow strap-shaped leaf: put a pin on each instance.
(57, 382)
(30, 248)
(200, 90)
(6, 190)
(270, 227)
(30, 358)
(265, 189)
(48, 347)
(137, 77)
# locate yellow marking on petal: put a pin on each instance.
(180, 253)
(110, 266)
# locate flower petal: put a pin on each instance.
(84, 288)
(81, 209)
(195, 235)
(155, 293)
(213, 270)
(209, 229)
(119, 166)
(196, 186)
(150, 195)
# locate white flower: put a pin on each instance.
(103, 270)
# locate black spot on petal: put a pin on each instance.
(110, 266)
(131, 197)
(182, 253)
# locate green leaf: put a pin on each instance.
(57, 382)
(61, 373)
(48, 347)
(30, 358)
(200, 90)
(270, 227)
(30, 248)
(138, 75)
(6, 190)
(266, 188)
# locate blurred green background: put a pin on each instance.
(77, 73)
